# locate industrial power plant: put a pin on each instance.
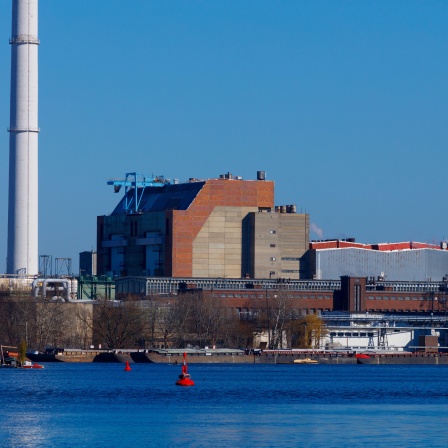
(222, 239)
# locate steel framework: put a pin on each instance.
(138, 183)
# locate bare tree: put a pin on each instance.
(275, 311)
(117, 324)
(235, 332)
(77, 332)
(240, 330)
(210, 319)
(17, 310)
(151, 316)
(168, 322)
(279, 313)
(50, 323)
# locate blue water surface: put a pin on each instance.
(101, 405)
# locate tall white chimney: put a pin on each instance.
(23, 141)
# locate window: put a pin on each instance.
(273, 232)
(272, 245)
(167, 227)
(272, 258)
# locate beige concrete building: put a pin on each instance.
(218, 248)
(277, 244)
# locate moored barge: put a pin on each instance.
(238, 356)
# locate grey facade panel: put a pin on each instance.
(406, 265)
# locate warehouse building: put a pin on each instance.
(407, 261)
(216, 228)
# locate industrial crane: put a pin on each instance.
(138, 182)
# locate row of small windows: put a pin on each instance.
(247, 312)
(396, 298)
(263, 295)
(392, 310)
(346, 334)
(285, 258)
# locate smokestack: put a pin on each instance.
(23, 141)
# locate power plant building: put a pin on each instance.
(216, 228)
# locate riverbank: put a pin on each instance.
(229, 356)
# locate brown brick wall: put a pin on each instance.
(186, 224)
(309, 301)
(400, 301)
(251, 299)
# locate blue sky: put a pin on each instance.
(342, 103)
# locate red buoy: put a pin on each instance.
(184, 377)
(128, 367)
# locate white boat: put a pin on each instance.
(31, 365)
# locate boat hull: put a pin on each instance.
(362, 358)
(195, 358)
(32, 366)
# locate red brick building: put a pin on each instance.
(351, 294)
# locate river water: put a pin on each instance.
(101, 405)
